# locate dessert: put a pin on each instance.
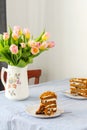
(48, 104)
(78, 86)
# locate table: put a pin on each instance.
(14, 117)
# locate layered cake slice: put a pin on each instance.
(78, 86)
(48, 104)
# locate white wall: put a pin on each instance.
(71, 38)
(66, 20)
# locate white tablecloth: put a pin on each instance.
(14, 117)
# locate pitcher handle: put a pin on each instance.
(3, 70)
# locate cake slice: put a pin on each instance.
(78, 86)
(48, 104)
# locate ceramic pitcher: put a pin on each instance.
(16, 85)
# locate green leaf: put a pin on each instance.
(40, 37)
(21, 63)
(1, 40)
(5, 55)
(10, 35)
(30, 60)
(1, 47)
(4, 58)
(1, 37)
(9, 30)
(22, 38)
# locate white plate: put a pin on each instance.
(32, 109)
(68, 94)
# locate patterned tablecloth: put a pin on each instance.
(14, 117)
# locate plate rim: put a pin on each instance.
(68, 94)
(59, 112)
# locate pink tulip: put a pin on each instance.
(44, 45)
(45, 36)
(51, 44)
(17, 29)
(27, 33)
(14, 49)
(37, 44)
(5, 36)
(31, 43)
(15, 35)
(34, 50)
(23, 45)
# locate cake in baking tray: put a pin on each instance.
(48, 103)
(78, 86)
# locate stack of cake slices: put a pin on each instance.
(48, 104)
(78, 86)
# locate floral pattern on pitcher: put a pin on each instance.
(13, 82)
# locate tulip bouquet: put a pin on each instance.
(18, 47)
